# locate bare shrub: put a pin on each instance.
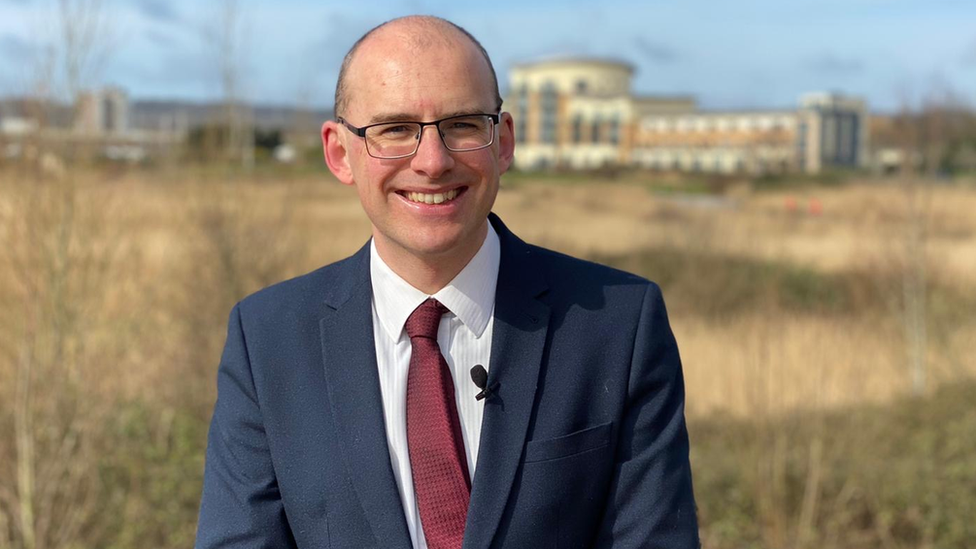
(56, 275)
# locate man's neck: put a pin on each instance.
(428, 273)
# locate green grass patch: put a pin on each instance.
(900, 475)
(712, 284)
(717, 285)
(152, 478)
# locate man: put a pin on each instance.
(353, 409)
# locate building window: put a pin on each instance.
(595, 129)
(614, 131)
(550, 111)
(845, 140)
(581, 86)
(108, 120)
(801, 140)
(828, 143)
(577, 129)
(522, 114)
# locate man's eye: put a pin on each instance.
(395, 131)
(465, 125)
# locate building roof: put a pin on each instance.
(656, 99)
(563, 60)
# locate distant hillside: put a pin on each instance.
(53, 114)
(155, 114)
(151, 114)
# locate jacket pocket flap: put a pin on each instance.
(568, 445)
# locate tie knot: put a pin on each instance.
(425, 319)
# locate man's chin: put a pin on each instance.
(444, 243)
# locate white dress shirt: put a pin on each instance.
(464, 336)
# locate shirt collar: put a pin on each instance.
(470, 295)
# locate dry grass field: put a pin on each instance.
(769, 358)
(166, 237)
(785, 300)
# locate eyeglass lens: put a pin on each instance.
(397, 139)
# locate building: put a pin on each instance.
(572, 113)
(580, 113)
(98, 124)
(105, 111)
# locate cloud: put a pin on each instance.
(828, 63)
(969, 56)
(168, 74)
(161, 39)
(340, 31)
(656, 52)
(15, 47)
(159, 11)
(568, 47)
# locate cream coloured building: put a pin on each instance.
(104, 111)
(579, 113)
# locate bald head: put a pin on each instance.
(418, 32)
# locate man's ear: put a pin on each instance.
(336, 155)
(506, 142)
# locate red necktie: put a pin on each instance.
(437, 459)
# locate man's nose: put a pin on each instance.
(432, 158)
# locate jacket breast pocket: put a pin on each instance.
(569, 445)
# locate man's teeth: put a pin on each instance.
(432, 198)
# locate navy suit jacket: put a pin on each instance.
(583, 442)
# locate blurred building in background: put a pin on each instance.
(579, 113)
(104, 111)
(106, 124)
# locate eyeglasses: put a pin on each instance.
(388, 140)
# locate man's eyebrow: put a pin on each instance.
(405, 117)
(391, 117)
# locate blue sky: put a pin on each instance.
(727, 53)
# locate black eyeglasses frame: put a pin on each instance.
(361, 132)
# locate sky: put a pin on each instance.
(726, 53)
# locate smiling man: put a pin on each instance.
(402, 73)
(449, 385)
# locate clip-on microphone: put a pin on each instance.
(480, 378)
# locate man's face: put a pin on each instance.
(390, 81)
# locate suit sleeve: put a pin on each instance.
(241, 506)
(651, 503)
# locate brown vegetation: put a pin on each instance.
(788, 306)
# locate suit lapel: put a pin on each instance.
(518, 341)
(349, 356)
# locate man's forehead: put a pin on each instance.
(416, 115)
(387, 45)
(392, 75)
(417, 32)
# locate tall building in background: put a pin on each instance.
(101, 112)
(579, 113)
(835, 131)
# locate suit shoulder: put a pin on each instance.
(303, 293)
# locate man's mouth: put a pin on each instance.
(432, 198)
